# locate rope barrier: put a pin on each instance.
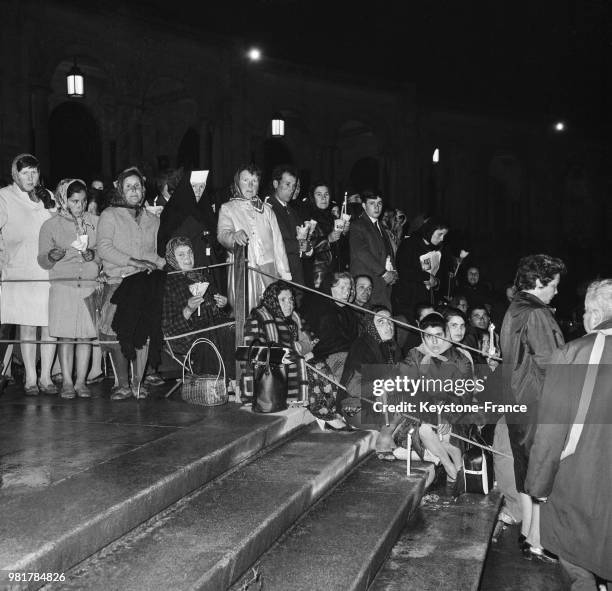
(98, 342)
(406, 415)
(360, 309)
(98, 280)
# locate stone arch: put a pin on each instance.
(75, 146)
(357, 146)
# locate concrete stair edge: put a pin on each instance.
(405, 494)
(97, 571)
(75, 544)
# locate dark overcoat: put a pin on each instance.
(576, 521)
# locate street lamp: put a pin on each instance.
(254, 54)
(75, 84)
(278, 125)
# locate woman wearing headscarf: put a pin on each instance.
(24, 207)
(127, 241)
(275, 320)
(420, 266)
(66, 249)
(246, 220)
(439, 360)
(375, 345)
(184, 312)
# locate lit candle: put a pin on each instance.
(491, 339)
(409, 449)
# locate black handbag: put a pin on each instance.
(477, 473)
(269, 381)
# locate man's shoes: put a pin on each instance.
(121, 393)
(50, 389)
(68, 392)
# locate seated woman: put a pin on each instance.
(439, 360)
(336, 325)
(184, 312)
(376, 345)
(455, 323)
(275, 320)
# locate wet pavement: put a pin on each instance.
(507, 570)
(44, 439)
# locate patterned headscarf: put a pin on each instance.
(171, 247)
(270, 302)
(61, 198)
(236, 193)
(387, 348)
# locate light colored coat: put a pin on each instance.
(120, 237)
(266, 249)
(20, 223)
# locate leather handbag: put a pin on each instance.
(477, 473)
(269, 381)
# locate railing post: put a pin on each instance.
(241, 296)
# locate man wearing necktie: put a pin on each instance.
(284, 180)
(371, 251)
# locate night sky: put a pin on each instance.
(542, 60)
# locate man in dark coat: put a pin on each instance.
(569, 465)
(529, 336)
(371, 251)
(284, 179)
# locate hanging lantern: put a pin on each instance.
(75, 83)
(278, 126)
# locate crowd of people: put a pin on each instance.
(82, 263)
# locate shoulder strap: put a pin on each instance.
(268, 324)
(586, 395)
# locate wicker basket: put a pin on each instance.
(203, 389)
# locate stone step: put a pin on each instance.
(209, 538)
(52, 528)
(342, 541)
(443, 547)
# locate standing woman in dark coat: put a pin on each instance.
(189, 214)
(529, 337)
(336, 324)
(325, 239)
(414, 260)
